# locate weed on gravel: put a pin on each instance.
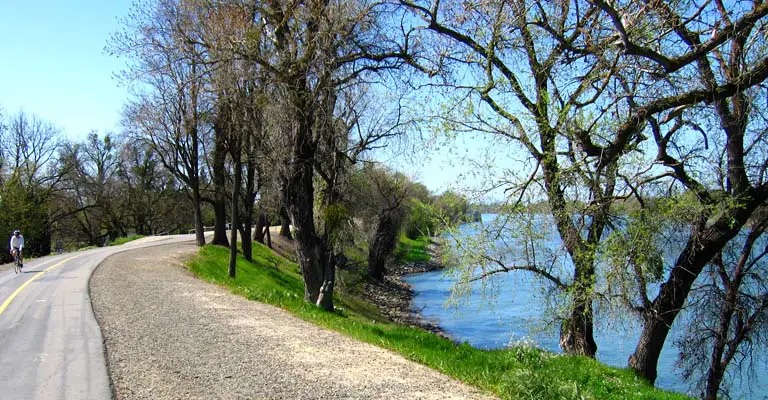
(516, 373)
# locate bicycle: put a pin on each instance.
(16, 261)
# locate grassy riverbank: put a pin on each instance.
(412, 250)
(519, 373)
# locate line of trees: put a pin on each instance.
(69, 194)
(271, 100)
(245, 101)
(64, 195)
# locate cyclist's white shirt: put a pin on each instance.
(17, 242)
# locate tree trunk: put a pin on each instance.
(268, 235)
(577, 331)
(716, 368)
(140, 230)
(714, 378)
(382, 246)
(313, 255)
(247, 240)
(41, 245)
(199, 230)
(193, 169)
(220, 221)
(285, 224)
(219, 187)
(235, 213)
(247, 244)
(325, 295)
(659, 318)
(285, 218)
(706, 240)
(251, 188)
(258, 233)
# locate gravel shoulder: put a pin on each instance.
(169, 335)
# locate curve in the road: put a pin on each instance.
(16, 292)
(51, 346)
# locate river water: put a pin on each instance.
(512, 311)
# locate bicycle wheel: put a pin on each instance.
(16, 264)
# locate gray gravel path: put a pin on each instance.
(169, 335)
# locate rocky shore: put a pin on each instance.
(393, 296)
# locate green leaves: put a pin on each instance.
(423, 220)
(636, 247)
(24, 210)
(335, 216)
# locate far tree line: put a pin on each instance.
(66, 195)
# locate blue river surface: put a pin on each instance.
(515, 312)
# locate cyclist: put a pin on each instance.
(17, 246)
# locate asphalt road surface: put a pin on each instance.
(50, 343)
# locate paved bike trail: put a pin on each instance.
(51, 346)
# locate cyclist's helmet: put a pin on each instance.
(16, 232)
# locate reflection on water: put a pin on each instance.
(516, 311)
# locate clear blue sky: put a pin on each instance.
(52, 62)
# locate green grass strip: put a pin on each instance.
(412, 250)
(126, 239)
(516, 373)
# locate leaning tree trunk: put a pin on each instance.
(706, 240)
(657, 321)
